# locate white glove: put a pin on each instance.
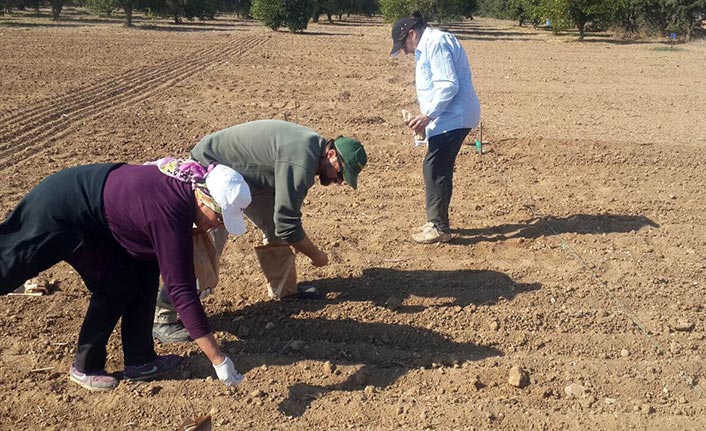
(227, 373)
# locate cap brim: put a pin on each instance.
(397, 48)
(351, 178)
(234, 222)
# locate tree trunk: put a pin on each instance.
(581, 25)
(315, 15)
(128, 15)
(632, 25)
(56, 6)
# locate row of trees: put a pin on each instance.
(665, 16)
(174, 9)
(441, 11)
(657, 16)
(293, 14)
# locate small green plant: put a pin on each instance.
(668, 49)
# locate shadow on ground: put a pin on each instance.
(352, 21)
(582, 224)
(283, 333)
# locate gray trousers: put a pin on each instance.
(261, 213)
(438, 170)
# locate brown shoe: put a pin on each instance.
(431, 235)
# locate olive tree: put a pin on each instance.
(101, 7)
(526, 10)
(678, 16)
(564, 14)
(433, 10)
(293, 14)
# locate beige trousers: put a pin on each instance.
(276, 258)
(208, 248)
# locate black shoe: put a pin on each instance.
(170, 332)
(153, 369)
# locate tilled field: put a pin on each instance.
(578, 256)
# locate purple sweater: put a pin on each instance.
(151, 215)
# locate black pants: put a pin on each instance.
(438, 170)
(62, 219)
(51, 222)
(121, 287)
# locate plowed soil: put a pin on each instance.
(579, 242)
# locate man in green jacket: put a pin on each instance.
(279, 161)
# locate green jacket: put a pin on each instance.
(271, 155)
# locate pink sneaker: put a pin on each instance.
(98, 381)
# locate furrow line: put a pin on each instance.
(57, 107)
(36, 139)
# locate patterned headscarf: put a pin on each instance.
(189, 171)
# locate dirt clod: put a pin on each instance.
(518, 377)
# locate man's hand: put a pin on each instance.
(419, 124)
(319, 259)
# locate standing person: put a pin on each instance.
(449, 110)
(119, 226)
(279, 161)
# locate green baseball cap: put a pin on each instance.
(354, 158)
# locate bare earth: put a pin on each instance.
(578, 255)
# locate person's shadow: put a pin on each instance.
(282, 333)
(582, 224)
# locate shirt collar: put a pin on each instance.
(421, 46)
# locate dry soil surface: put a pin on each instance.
(579, 242)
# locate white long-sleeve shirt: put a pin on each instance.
(444, 83)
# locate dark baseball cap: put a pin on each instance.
(399, 33)
(354, 158)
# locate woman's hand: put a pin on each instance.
(227, 373)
